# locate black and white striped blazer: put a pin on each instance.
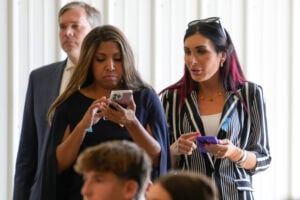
(245, 128)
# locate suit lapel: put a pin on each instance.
(55, 78)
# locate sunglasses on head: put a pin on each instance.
(208, 20)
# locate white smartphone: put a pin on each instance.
(122, 97)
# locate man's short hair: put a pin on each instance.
(123, 158)
(92, 14)
(181, 184)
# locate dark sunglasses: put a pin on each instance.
(208, 20)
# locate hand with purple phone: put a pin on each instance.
(203, 140)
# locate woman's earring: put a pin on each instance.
(221, 65)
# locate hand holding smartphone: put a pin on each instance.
(122, 97)
(202, 140)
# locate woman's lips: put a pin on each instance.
(110, 77)
(197, 71)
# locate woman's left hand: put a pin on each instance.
(117, 113)
(223, 149)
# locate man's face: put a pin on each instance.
(73, 27)
(104, 186)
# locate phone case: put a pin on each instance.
(201, 140)
(122, 97)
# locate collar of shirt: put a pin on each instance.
(68, 71)
(69, 65)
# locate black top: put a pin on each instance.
(68, 184)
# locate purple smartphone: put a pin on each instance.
(202, 140)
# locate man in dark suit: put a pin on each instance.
(75, 19)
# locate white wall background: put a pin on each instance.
(264, 32)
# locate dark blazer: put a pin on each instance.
(43, 88)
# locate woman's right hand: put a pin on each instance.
(93, 114)
(185, 144)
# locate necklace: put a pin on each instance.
(211, 99)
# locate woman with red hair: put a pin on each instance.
(213, 98)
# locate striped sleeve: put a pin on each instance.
(259, 141)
